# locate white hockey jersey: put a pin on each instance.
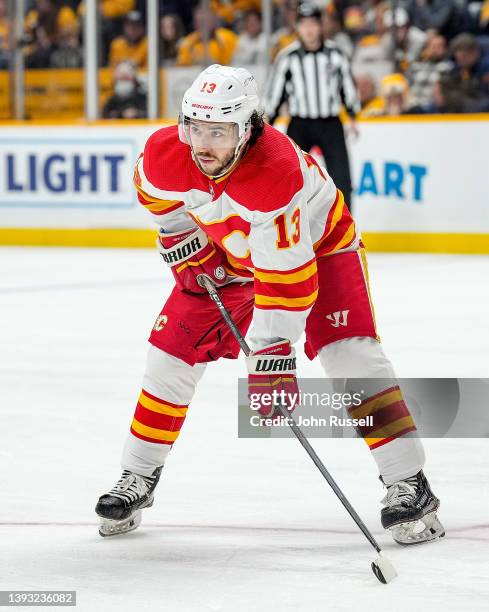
(273, 215)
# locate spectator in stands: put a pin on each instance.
(332, 31)
(132, 45)
(251, 48)
(372, 105)
(443, 16)
(394, 90)
(111, 14)
(230, 11)
(355, 23)
(470, 76)
(111, 9)
(221, 42)
(68, 52)
(42, 25)
(38, 53)
(374, 14)
(285, 35)
(370, 56)
(424, 73)
(171, 33)
(115, 9)
(182, 8)
(445, 99)
(406, 44)
(50, 15)
(4, 35)
(128, 101)
(438, 104)
(470, 63)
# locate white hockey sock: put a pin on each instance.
(362, 363)
(168, 387)
(399, 459)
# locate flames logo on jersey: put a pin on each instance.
(160, 322)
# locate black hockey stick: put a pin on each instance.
(381, 567)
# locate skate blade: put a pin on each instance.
(109, 527)
(427, 529)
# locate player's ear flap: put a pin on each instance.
(247, 134)
(181, 130)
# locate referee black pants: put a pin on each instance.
(329, 136)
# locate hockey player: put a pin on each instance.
(240, 202)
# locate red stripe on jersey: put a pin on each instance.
(291, 308)
(295, 290)
(329, 220)
(335, 240)
(286, 272)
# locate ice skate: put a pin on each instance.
(120, 509)
(410, 511)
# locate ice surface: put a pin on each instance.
(237, 524)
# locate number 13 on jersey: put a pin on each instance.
(283, 240)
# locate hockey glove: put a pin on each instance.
(189, 254)
(272, 379)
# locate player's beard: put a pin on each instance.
(224, 163)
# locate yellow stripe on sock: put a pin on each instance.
(161, 408)
(156, 434)
(376, 404)
(390, 430)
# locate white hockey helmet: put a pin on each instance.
(221, 94)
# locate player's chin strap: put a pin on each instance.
(381, 567)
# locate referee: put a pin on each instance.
(314, 77)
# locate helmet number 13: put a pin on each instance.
(208, 87)
(283, 240)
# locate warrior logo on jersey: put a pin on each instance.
(160, 322)
(339, 318)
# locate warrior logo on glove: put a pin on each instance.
(178, 254)
(278, 358)
(276, 365)
(190, 254)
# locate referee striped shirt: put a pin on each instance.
(315, 84)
